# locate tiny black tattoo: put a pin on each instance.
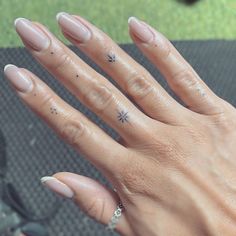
(52, 52)
(77, 76)
(53, 110)
(111, 57)
(122, 116)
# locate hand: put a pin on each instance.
(174, 169)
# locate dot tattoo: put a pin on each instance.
(111, 57)
(52, 53)
(53, 110)
(122, 116)
(77, 76)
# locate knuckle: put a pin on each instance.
(72, 131)
(98, 97)
(197, 135)
(162, 149)
(138, 86)
(166, 149)
(185, 78)
(95, 208)
(133, 177)
(224, 121)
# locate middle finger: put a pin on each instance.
(132, 77)
(95, 91)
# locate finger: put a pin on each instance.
(69, 123)
(93, 198)
(179, 74)
(93, 90)
(133, 79)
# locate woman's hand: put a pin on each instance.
(175, 167)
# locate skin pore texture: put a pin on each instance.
(174, 169)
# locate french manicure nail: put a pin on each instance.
(20, 80)
(31, 34)
(140, 29)
(57, 186)
(73, 27)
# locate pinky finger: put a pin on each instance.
(93, 198)
(181, 77)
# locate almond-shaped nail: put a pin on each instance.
(57, 186)
(18, 78)
(31, 34)
(140, 30)
(73, 27)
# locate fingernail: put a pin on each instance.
(73, 27)
(31, 34)
(20, 80)
(57, 186)
(140, 30)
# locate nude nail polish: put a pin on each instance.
(57, 186)
(31, 34)
(140, 30)
(20, 80)
(73, 27)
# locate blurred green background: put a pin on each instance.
(206, 19)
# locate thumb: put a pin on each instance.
(92, 197)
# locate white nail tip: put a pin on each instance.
(46, 178)
(131, 18)
(60, 14)
(19, 19)
(57, 186)
(8, 66)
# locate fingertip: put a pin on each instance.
(59, 14)
(18, 20)
(8, 67)
(131, 18)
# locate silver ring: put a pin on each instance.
(115, 218)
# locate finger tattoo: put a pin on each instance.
(123, 116)
(111, 57)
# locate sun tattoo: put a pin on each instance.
(122, 116)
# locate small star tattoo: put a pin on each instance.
(53, 110)
(122, 116)
(111, 57)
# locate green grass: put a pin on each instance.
(207, 19)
